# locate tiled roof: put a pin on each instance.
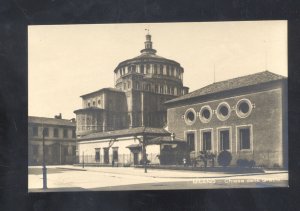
(88, 109)
(165, 139)
(243, 81)
(50, 121)
(102, 90)
(125, 132)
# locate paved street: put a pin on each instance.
(70, 178)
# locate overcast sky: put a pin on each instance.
(66, 61)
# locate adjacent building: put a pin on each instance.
(246, 116)
(59, 138)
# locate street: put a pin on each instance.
(71, 178)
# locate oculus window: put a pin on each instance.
(223, 111)
(205, 114)
(190, 116)
(243, 108)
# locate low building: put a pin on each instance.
(246, 116)
(121, 147)
(59, 138)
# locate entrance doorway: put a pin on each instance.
(135, 158)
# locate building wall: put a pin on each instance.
(87, 151)
(58, 150)
(265, 122)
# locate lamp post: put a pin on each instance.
(44, 163)
(144, 154)
(82, 159)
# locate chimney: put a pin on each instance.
(58, 116)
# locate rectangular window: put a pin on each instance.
(55, 132)
(206, 140)
(224, 140)
(115, 154)
(65, 133)
(97, 154)
(35, 149)
(244, 135)
(106, 155)
(35, 131)
(73, 133)
(46, 132)
(191, 141)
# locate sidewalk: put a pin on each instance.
(163, 173)
(68, 178)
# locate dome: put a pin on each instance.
(148, 55)
(150, 72)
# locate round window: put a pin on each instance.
(223, 111)
(190, 116)
(205, 114)
(243, 108)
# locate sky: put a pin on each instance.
(67, 61)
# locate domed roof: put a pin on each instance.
(147, 54)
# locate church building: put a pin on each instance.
(150, 113)
(112, 120)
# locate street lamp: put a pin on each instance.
(82, 159)
(44, 163)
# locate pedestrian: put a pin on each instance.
(184, 161)
(113, 163)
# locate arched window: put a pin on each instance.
(155, 68)
(175, 91)
(142, 69)
(161, 89)
(148, 87)
(147, 68)
(168, 69)
(156, 88)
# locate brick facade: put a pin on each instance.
(265, 122)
